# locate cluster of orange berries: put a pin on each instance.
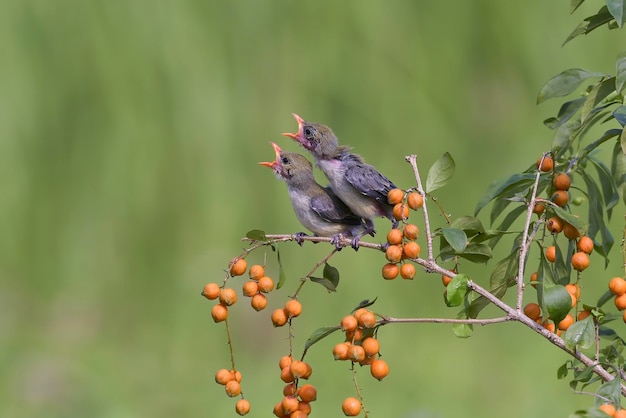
(401, 242)
(617, 286)
(580, 260)
(296, 402)
(231, 380)
(611, 411)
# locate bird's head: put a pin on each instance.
(289, 166)
(318, 139)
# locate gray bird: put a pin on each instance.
(359, 185)
(317, 208)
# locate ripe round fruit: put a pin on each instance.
(308, 372)
(617, 286)
(585, 244)
(415, 200)
(620, 302)
(445, 279)
(573, 289)
(547, 164)
(250, 288)
(297, 368)
(620, 413)
(211, 291)
(256, 272)
(289, 389)
(284, 362)
(351, 407)
(304, 410)
(580, 261)
(286, 376)
(394, 253)
(367, 319)
(307, 393)
(395, 196)
(570, 231)
(400, 211)
(390, 271)
(279, 317)
(266, 284)
(293, 308)
(219, 313)
(566, 322)
(551, 253)
(233, 388)
(562, 181)
(228, 296)
(555, 224)
(549, 325)
(340, 351)
(356, 353)
(258, 302)
(379, 369)
(371, 346)
(583, 314)
(223, 376)
(238, 267)
(539, 208)
(407, 271)
(608, 409)
(411, 231)
(533, 279)
(394, 236)
(278, 410)
(411, 249)
(560, 198)
(290, 404)
(532, 310)
(356, 335)
(349, 323)
(242, 407)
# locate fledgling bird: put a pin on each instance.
(359, 185)
(317, 208)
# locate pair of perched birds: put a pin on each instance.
(356, 194)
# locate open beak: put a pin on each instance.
(297, 135)
(277, 151)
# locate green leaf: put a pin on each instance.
(330, 286)
(617, 8)
(557, 301)
(319, 334)
(332, 274)
(505, 188)
(606, 296)
(574, 4)
(567, 110)
(561, 373)
(590, 23)
(565, 134)
(618, 167)
(564, 83)
(463, 330)
(620, 73)
(580, 335)
(576, 221)
(476, 252)
(511, 217)
(364, 304)
(609, 390)
(281, 272)
(456, 290)
(598, 93)
(620, 115)
(607, 183)
(469, 224)
(256, 235)
(440, 172)
(456, 238)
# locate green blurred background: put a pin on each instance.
(129, 139)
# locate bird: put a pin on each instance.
(359, 185)
(317, 208)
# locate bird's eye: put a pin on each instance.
(285, 160)
(308, 132)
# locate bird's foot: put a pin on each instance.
(355, 242)
(394, 223)
(299, 237)
(336, 241)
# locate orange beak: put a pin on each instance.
(277, 151)
(300, 123)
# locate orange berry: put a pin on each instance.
(360, 312)
(297, 368)
(549, 325)
(533, 279)
(560, 198)
(400, 211)
(238, 266)
(351, 407)
(278, 410)
(620, 413)
(290, 404)
(356, 335)
(394, 253)
(233, 388)
(539, 208)
(390, 271)
(304, 409)
(407, 271)
(228, 296)
(242, 407)
(340, 351)
(349, 323)
(551, 253)
(445, 279)
(250, 288)
(258, 302)
(308, 372)
(236, 375)
(307, 393)
(608, 409)
(566, 322)
(562, 181)
(223, 376)
(289, 389)
(266, 284)
(284, 362)
(371, 346)
(532, 310)
(293, 308)
(617, 286)
(279, 317)
(219, 313)
(580, 261)
(285, 375)
(583, 314)
(367, 319)
(555, 224)
(394, 236)
(395, 196)
(546, 165)
(570, 231)
(573, 289)
(620, 302)
(356, 353)
(574, 300)
(211, 291)
(411, 231)
(415, 200)
(411, 249)
(379, 369)
(256, 272)
(585, 244)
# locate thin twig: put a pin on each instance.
(390, 320)
(412, 159)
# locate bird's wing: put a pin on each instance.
(331, 209)
(367, 180)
